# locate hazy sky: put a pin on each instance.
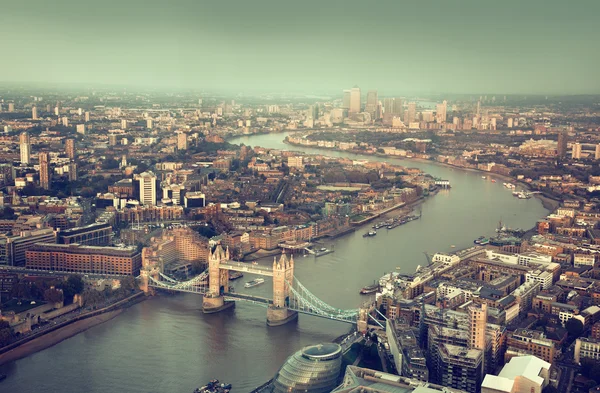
(396, 47)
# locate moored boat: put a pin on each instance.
(369, 289)
(235, 275)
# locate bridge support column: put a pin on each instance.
(213, 304)
(218, 281)
(362, 323)
(277, 316)
(283, 275)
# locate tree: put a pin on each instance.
(110, 163)
(7, 213)
(574, 327)
(128, 283)
(71, 287)
(5, 333)
(53, 295)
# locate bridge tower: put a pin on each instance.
(218, 282)
(283, 275)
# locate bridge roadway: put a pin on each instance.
(244, 267)
(249, 298)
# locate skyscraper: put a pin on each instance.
(44, 170)
(72, 171)
(477, 326)
(561, 149)
(86, 116)
(576, 151)
(372, 102)
(440, 114)
(354, 100)
(11, 106)
(398, 109)
(112, 139)
(346, 99)
(25, 147)
(147, 187)
(182, 142)
(34, 115)
(412, 112)
(70, 148)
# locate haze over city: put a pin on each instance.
(237, 196)
(398, 47)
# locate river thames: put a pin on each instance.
(167, 345)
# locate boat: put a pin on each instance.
(452, 246)
(323, 251)
(235, 275)
(483, 177)
(369, 289)
(214, 387)
(478, 240)
(370, 233)
(493, 180)
(484, 241)
(254, 283)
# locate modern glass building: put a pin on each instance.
(313, 369)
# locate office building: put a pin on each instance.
(409, 359)
(81, 129)
(84, 259)
(576, 151)
(44, 158)
(86, 117)
(411, 112)
(123, 124)
(11, 106)
(440, 113)
(72, 171)
(146, 187)
(312, 369)
(13, 248)
(70, 148)
(194, 199)
(597, 152)
(587, 348)
(34, 113)
(372, 103)
(96, 234)
(563, 139)
(182, 142)
(523, 374)
(25, 148)
(173, 194)
(346, 99)
(477, 326)
(149, 124)
(112, 140)
(531, 342)
(364, 380)
(355, 104)
(460, 368)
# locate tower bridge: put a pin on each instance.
(289, 298)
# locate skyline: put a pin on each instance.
(309, 47)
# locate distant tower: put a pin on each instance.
(72, 171)
(597, 153)
(34, 114)
(124, 161)
(372, 102)
(354, 100)
(412, 112)
(576, 151)
(70, 148)
(25, 147)
(11, 106)
(477, 326)
(44, 170)
(182, 143)
(563, 139)
(112, 139)
(346, 100)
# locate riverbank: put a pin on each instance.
(67, 329)
(548, 203)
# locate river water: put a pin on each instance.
(167, 345)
